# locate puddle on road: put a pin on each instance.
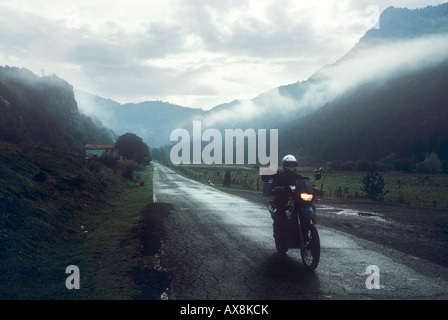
(353, 213)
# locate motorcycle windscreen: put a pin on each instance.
(303, 185)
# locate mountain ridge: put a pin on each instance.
(404, 118)
(153, 121)
(410, 98)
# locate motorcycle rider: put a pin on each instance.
(279, 184)
(280, 180)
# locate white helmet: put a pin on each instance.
(289, 163)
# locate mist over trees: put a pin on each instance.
(397, 116)
(43, 111)
(404, 115)
(397, 123)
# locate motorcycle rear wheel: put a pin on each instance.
(311, 251)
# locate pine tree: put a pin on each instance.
(373, 185)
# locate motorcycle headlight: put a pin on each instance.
(306, 196)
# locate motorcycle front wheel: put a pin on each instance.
(281, 244)
(311, 251)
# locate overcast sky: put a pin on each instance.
(195, 53)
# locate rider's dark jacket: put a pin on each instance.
(278, 182)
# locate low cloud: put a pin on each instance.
(222, 50)
(368, 65)
(374, 65)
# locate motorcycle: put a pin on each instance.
(295, 221)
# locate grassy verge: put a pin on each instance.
(55, 212)
(112, 246)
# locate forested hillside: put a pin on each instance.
(400, 121)
(394, 109)
(43, 111)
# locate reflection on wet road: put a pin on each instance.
(220, 246)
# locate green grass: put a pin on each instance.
(409, 189)
(113, 246)
(55, 212)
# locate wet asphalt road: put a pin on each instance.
(220, 247)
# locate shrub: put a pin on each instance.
(128, 173)
(364, 165)
(403, 164)
(431, 164)
(109, 161)
(348, 166)
(127, 167)
(373, 185)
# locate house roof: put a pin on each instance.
(99, 146)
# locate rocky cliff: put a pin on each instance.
(43, 111)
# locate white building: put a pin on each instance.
(100, 150)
